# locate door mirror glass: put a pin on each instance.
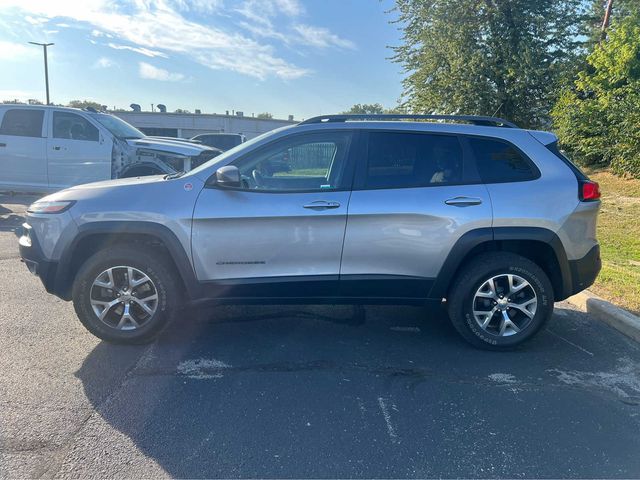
(228, 176)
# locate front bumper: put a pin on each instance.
(32, 256)
(584, 271)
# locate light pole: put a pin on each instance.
(46, 67)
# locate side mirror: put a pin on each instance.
(228, 176)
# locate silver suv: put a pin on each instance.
(487, 218)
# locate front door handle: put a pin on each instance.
(56, 148)
(3, 144)
(321, 205)
(463, 201)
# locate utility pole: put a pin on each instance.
(607, 19)
(46, 66)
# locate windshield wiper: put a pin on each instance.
(171, 176)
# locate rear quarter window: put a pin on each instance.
(499, 161)
(580, 175)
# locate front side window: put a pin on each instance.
(73, 127)
(22, 123)
(403, 160)
(301, 163)
(500, 161)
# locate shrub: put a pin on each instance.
(598, 119)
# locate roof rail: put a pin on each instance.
(473, 119)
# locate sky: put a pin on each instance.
(286, 57)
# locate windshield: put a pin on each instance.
(117, 126)
(248, 144)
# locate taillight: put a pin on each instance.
(589, 191)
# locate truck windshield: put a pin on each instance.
(117, 126)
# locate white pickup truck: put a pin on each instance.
(46, 148)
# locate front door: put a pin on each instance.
(281, 233)
(77, 151)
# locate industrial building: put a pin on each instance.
(187, 125)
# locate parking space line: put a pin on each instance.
(569, 342)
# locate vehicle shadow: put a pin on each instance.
(12, 208)
(273, 391)
(204, 399)
(10, 222)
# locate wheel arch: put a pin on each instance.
(540, 245)
(93, 237)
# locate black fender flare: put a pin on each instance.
(179, 256)
(477, 237)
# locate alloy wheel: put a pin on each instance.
(123, 298)
(504, 305)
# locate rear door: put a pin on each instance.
(414, 195)
(78, 151)
(23, 158)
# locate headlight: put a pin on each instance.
(50, 207)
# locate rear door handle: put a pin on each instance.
(56, 148)
(3, 144)
(321, 205)
(463, 201)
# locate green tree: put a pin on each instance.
(85, 104)
(365, 109)
(264, 115)
(372, 109)
(595, 17)
(487, 57)
(598, 118)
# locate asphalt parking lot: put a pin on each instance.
(312, 391)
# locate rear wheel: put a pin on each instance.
(500, 300)
(125, 294)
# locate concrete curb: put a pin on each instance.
(623, 321)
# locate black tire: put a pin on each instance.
(150, 263)
(462, 299)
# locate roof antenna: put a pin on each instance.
(497, 109)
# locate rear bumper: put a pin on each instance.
(33, 258)
(585, 270)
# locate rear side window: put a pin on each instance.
(73, 127)
(401, 160)
(22, 123)
(501, 162)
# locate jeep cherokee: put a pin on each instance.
(487, 218)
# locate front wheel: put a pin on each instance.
(125, 294)
(500, 300)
